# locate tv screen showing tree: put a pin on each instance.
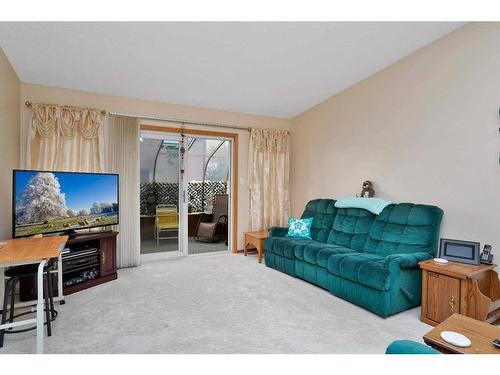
(48, 202)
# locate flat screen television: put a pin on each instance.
(49, 202)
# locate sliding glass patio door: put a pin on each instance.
(209, 199)
(185, 194)
(163, 192)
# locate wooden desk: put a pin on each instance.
(479, 333)
(256, 239)
(29, 251)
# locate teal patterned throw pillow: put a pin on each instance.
(299, 228)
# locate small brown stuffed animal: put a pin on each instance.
(367, 191)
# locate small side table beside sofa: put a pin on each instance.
(466, 289)
(257, 240)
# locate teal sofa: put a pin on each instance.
(369, 260)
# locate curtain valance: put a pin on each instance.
(65, 138)
(270, 140)
(49, 118)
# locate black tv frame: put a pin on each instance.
(59, 231)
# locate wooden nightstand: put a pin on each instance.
(473, 291)
(256, 239)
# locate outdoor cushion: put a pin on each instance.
(405, 228)
(366, 269)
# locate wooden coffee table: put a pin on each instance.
(256, 239)
(480, 334)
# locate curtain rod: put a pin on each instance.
(168, 119)
(29, 104)
(188, 122)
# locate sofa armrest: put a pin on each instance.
(278, 231)
(408, 260)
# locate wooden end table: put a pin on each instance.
(459, 288)
(479, 333)
(256, 239)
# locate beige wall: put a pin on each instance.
(40, 93)
(425, 130)
(9, 140)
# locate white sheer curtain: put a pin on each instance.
(268, 176)
(122, 145)
(63, 138)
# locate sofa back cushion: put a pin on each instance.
(323, 212)
(405, 228)
(351, 227)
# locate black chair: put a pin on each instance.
(211, 226)
(14, 274)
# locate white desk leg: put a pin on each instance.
(39, 309)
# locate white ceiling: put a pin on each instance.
(275, 69)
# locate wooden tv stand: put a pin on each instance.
(104, 242)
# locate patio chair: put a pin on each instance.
(211, 227)
(166, 220)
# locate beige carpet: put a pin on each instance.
(215, 304)
(194, 247)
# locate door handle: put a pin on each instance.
(103, 258)
(452, 304)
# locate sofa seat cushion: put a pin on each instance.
(284, 246)
(318, 253)
(367, 269)
(313, 247)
